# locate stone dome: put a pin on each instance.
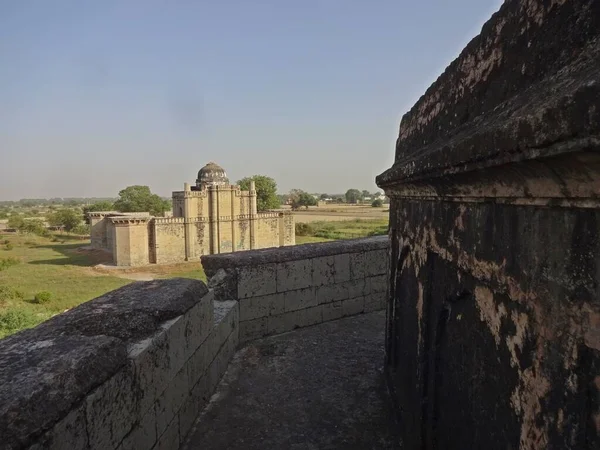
(212, 175)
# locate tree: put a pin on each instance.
(301, 198)
(139, 199)
(365, 193)
(15, 221)
(377, 203)
(104, 205)
(324, 196)
(266, 191)
(66, 218)
(353, 196)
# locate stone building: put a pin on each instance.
(209, 218)
(493, 333)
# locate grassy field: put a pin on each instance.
(30, 265)
(336, 213)
(321, 231)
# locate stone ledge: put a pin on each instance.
(212, 263)
(45, 372)
(509, 96)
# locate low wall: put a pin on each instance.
(281, 289)
(128, 370)
(132, 370)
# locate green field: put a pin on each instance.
(59, 267)
(320, 231)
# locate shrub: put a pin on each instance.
(81, 229)
(14, 320)
(42, 297)
(377, 203)
(8, 293)
(6, 241)
(8, 246)
(304, 229)
(5, 263)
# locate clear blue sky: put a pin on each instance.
(99, 95)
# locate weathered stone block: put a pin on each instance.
(219, 365)
(257, 280)
(299, 299)
(331, 293)
(295, 319)
(353, 306)
(265, 305)
(375, 301)
(70, 432)
(253, 329)
(376, 262)
(294, 275)
(143, 435)
(323, 270)
(376, 284)
(357, 266)
(356, 288)
(150, 358)
(198, 324)
(111, 410)
(175, 330)
(199, 362)
(192, 406)
(171, 400)
(342, 267)
(170, 438)
(332, 311)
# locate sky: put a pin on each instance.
(99, 95)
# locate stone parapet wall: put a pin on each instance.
(132, 370)
(128, 370)
(286, 288)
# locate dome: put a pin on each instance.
(212, 175)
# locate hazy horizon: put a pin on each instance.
(97, 97)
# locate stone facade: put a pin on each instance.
(210, 218)
(493, 334)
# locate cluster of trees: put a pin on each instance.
(267, 197)
(67, 201)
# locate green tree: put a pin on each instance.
(104, 205)
(301, 198)
(66, 218)
(15, 221)
(324, 196)
(353, 195)
(140, 199)
(365, 193)
(377, 203)
(266, 191)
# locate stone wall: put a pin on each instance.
(493, 334)
(170, 240)
(285, 288)
(131, 370)
(128, 370)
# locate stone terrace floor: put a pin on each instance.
(316, 388)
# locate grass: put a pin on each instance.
(66, 273)
(347, 229)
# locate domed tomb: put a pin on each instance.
(211, 175)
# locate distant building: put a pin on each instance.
(211, 217)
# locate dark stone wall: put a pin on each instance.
(492, 339)
(493, 333)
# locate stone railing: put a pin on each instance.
(133, 369)
(281, 289)
(128, 370)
